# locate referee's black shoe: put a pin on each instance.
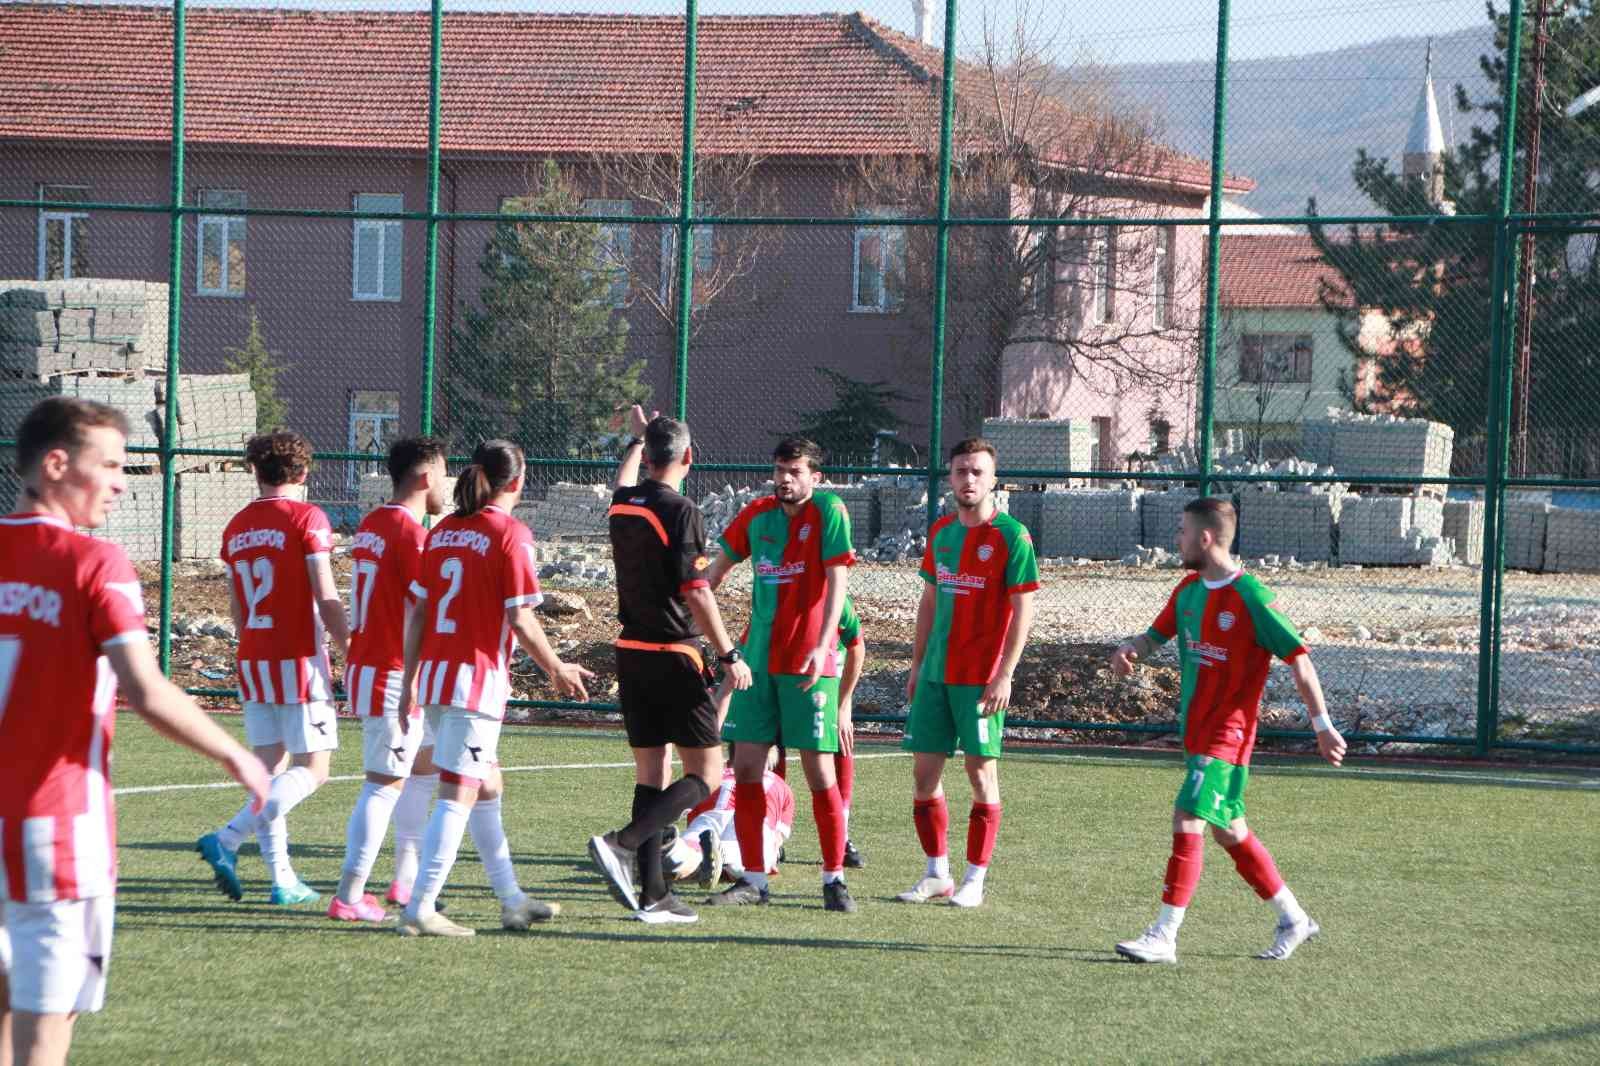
(742, 893)
(852, 857)
(836, 897)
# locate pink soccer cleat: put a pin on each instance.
(367, 910)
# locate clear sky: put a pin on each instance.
(1129, 32)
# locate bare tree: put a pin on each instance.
(1035, 138)
(1267, 381)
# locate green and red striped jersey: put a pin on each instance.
(788, 592)
(975, 571)
(1227, 634)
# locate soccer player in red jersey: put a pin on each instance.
(980, 577)
(386, 557)
(709, 845)
(1228, 631)
(476, 594)
(285, 608)
(72, 630)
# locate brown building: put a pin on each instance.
(328, 110)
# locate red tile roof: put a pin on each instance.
(1273, 270)
(805, 85)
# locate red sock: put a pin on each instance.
(983, 824)
(828, 809)
(844, 768)
(1255, 865)
(1183, 868)
(933, 823)
(749, 822)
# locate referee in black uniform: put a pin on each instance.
(658, 545)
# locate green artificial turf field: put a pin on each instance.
(1458, 909)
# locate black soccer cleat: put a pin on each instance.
(836, 897)
(852, 857)
(744, 893)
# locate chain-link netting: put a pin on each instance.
(1364, 328)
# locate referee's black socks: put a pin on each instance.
(656, 808)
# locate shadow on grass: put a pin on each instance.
(1549, 1040)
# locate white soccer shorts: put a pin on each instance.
(465, 742)
(302, 728)
(386, 751)
(721, 825)
(55, 955)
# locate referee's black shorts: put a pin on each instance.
(665, 698)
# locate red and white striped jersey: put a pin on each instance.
(780, 799)
(64, 599)
(283, 657)
(474, 568)
(386, 557)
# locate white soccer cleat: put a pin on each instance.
(930, 888)
(1149, 946)
(434, 924)
(1289, 936)
(615, 864)
(970, 894)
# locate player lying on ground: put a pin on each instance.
(285, 608)
(385, 558)
(658, 542)
(972, 623)
(476, 593)
(798, 544)
(1228, 631)
(72, 630)
(851, 661)
(708, 847)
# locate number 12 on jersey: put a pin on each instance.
(256, 580)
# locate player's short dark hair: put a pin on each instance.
(665, 441)
(62, 422)
(278, 457)
(1217, 514)
(972, 446)
(495, 464)
(791, 448)
(409, 454)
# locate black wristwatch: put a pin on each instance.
(732, 657)
(633, 442)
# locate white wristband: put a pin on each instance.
(1321, 723)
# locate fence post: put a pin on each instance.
(169, 473)
(685, 223)
(1498, 452)
(430, 270)
(941, 261)
(1208, 335)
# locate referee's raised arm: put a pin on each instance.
(633, 453)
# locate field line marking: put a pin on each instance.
(137, 790)
(1320, 770)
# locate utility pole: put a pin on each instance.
(1525, 272)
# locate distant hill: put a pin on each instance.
(1295, 122)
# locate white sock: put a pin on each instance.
(1288, 908)
(369, 823)
(410, 820)
(273, 837)
(975, 874)
(757, 879)
(939, 867)
(440, 843)
(847, 823)
(830, 876)
(489, 837)
(1169, 919)
(240, 828)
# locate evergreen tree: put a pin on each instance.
(256, 360)
(848, 429)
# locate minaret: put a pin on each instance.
(1424, 154)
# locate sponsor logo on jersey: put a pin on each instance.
(701, 562)
(1208, 654)
(958, 583)
(779, 573)
(985, 552)
(819, 699)
(36, 601)
(636, 499)
(460, 538)
(255, 538)
(805, 532)
(1225, 621)
(371, 542)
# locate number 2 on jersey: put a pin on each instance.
(256, 579)
(363, 578)
(450, 570)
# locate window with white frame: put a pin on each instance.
(879, 264)
(705, 260)
(376, 249)
(1161, 305)
(220, 264)
(1273, 358)
(1038, 274)
(615, 246)
(63, 233)
(374, 425)
(1103, 277)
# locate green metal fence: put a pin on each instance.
(957, 227)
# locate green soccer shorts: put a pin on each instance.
(944, 717)
(1213, 790)
(775, 707)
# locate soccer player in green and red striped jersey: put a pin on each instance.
(976, 610)
(1228, 632)
(798, 543)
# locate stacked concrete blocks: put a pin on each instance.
(133, 397)
(1028, 508)
(861, 500)
(1393, 531)
(1091, 523)
(1040, 444)
(571, 510)
(902, 506)
(1527, 525)
(87, 324)
(1463, 525)
(1300, 525)
(1572, 541)
(1361, 446)
(207, 501)
(215, 411)
(134, 521)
